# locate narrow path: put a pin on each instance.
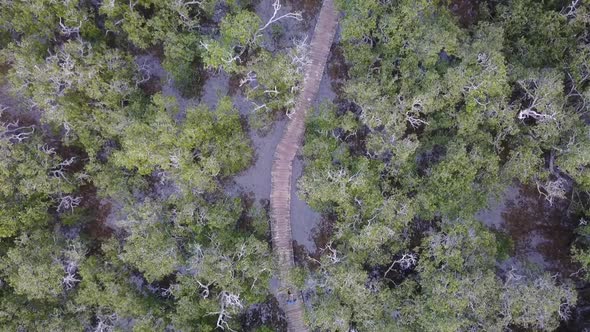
(281, 173)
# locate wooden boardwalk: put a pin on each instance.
(281, 173)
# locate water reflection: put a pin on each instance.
(542, 233)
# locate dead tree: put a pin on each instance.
(300, 55)
(15, 133)
(413, 117)
(182, 8)
(68, 203)
(552, 189)
(570, 11)
(406, 262)
(72, 257)
(333, 254)
(227, 302)
(250, 78)
(538, 90)
(47, 150)
(105, 323)
(68, 30)
(275, 18)
(143, 73)
(59, 171)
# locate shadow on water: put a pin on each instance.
(282, 33)
(542, 233)
(466, 11)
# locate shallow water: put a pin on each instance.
(465, 10)
(216, 85)
(542, 233)
(304, 220)
(256, 179)
(288, 29)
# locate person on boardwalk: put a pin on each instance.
(291, 299)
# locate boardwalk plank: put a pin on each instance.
(281, 173)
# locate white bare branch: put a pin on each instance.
(541, 107)
(250, 78)
(68, 203)
(68, 162)
(227, 301)
(333, 254)
(300, 55)
(106, 323)
(273, 91)
(512, 276)
(570, 10)
(16, 133)
(406, 262)
(205, 289)
(182, 8)
(66, 30)
(47, 150)
(277, 7)
(144, 72)
(530, 113)
(259, 107)
(484, 60)
(552, 190)
(72, 256)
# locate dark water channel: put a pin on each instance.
(541, 235)
(540, 232)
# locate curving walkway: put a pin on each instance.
(281, 173)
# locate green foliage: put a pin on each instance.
(457, 185)
(106, 290)
(459, 287)
(580, 252)
(19, 312)
(538, 304)
(181, 61)
(237, 31)
(206, 145)
(442, 119)
(34, 271)
(148, 22)
(536, 36)
(150, 246)
(39, 17)
(431, 120)
(29, 181)
(78, 64)
(275, 87)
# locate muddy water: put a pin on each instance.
(304, 220)
(542, 233)
(215, 87)
(256, 179)
(465, 10)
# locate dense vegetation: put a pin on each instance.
(113, 208)
(440, 115)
